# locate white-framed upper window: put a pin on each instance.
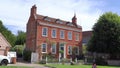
(44, 31)
(62, 34)
(44, 48)
(53, 48)
(54, 33)
(77, 36)
(69, 35)
(69, 50)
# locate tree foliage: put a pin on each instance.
(21, 37)
(106, 34)
(7, 34)
(18, 49)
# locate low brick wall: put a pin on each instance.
(113, 62)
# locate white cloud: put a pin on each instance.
(17, 12)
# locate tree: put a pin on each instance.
(7, 34)
(106, 35)
(18, 49)
(21, 37)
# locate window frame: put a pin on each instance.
(62, 34)
(69, 35)
(55, 33)
(77, 50)
(77, 36)
(52, 49)
(69, 51)
(42, 48)
(45, 32)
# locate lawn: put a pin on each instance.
(79, 66)
(13, 67)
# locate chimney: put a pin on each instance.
(33, 10)
(74, 20)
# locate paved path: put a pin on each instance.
(28, 65)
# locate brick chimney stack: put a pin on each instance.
(74, 19)
(33, 10)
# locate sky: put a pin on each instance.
(15, 13)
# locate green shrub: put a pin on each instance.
(18, 49)
(53, 60)
(27, 55)
(65, 60)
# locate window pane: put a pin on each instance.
(77, 50)
(43, 47)
(69, 35)
(77, 36)
(53, 33)
(70, 50)
(53, 49)
(44, 32)
(62, 34)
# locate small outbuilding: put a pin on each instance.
(4, 45)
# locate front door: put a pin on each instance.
(62, 51)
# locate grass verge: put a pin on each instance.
(78, 66)
(14, 67)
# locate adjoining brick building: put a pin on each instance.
(46, 35)
(86, 36)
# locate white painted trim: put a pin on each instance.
(77, 37)
(57, 26)
(52, 32)
(64, 51)
(77, 51)
(70, 36)
(68, 50)
(42, 47)
(55, 50)
(46, 32)
(63, 34)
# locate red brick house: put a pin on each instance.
(86, 35)
(46, 35)
(4, 45)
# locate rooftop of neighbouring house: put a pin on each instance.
(87, 33)
(3, 42)
(86, 36)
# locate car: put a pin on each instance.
(4, 60)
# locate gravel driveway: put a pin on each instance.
(28, 65)
(20, 62)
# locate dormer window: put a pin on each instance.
(59, 21)
(47, 19)
(69, 23)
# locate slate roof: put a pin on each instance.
(54, 20)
